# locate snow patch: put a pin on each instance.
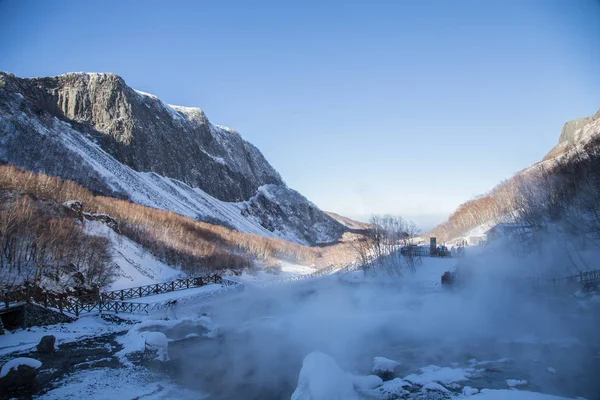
(15, 363)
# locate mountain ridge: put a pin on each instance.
(499, 202)
(95, 130)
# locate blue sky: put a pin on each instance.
(404, 107)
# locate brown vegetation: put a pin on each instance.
(564, 189)
(177, 240)
(40, 239)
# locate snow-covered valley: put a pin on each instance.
(317, 339)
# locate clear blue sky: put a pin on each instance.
(405, 107)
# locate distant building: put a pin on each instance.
(504, 229)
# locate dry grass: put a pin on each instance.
(177, 240)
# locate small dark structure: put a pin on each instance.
(504, 229)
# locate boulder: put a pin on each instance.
(19, 382)
(384, 367)
(18, 377)
(46, 345)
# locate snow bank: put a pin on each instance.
(388, 390)
(15, 363)
(469, 391)
(444, 375)
(366, 382)
(146, 333)
(322, 379)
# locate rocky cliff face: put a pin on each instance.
(142, 132)
(97, 131)
(575, 133)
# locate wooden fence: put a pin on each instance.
(113, 301)
(586, 281)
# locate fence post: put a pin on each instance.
(122, 295)
(140, 290)
(187, 283)
(45, 299)
(76, 309)
(172, 286)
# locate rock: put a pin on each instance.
(19, 382)
(385, 368)
(76, 207)
(105, 219)
(393, 389)
(46, 345)
(34, 315)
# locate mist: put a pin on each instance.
(265, 333)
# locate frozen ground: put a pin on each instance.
(485, 341)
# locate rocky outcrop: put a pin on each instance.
(142, 132)
(76, 207)
(574, 133)
(279, 208)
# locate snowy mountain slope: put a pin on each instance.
(36, 136)
(348, 222)
(135, 265)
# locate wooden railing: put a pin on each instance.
(164, 287)
(588, 280)
(113, 301)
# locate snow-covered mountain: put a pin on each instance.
(576, 133)
(94, 129)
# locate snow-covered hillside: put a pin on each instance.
(95, 130)
(135, 265)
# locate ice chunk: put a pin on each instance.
(445, 375)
